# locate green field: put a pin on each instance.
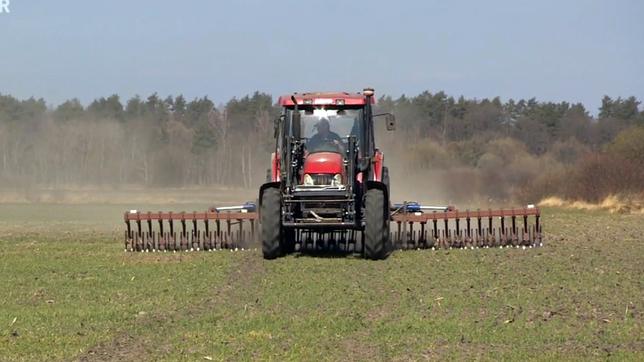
(69, 292)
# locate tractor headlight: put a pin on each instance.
(337, 180)
(308, 180)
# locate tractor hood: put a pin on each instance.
(323, 163)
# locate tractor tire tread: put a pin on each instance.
(271, 223)
(376, 227)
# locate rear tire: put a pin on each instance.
(376, 226)
(270, 215)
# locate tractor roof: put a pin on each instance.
(325, 98)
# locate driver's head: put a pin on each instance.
(323, 127)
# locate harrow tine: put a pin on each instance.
(410, 237)
(146, 239)
(514, 229)
(137, 242)
(442, 243)
(206, 236)
(398, 236)
(422, 242)
(161, 241)
(435, 231)
(478, 240)
(503, 240)
(178, 239)
(172, 238)
(330, 242)
(252, 231)
(525, 226)
(490, 228)
(457, 234)
(468, 231)
(150, 244)
(446, 233)
(144, 242)
(208, 240)
(479, 231)
(194, 242)
(502, 232)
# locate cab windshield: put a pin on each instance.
(328, 130)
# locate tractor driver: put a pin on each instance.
(324, 136)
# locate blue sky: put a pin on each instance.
(553, 50)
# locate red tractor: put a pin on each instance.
(327, 176)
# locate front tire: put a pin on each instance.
(376, 225)
(270, 221)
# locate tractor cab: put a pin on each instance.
(328, 128)
(326, 134)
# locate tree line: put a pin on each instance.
(520, 149)
(526, 145)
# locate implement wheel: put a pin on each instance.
(270, 214)
(376, 226)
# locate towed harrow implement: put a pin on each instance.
(413, 226)
(452, 228)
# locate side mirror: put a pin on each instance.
(276, 126)
(391, 122)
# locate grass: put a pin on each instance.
(70, 292)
